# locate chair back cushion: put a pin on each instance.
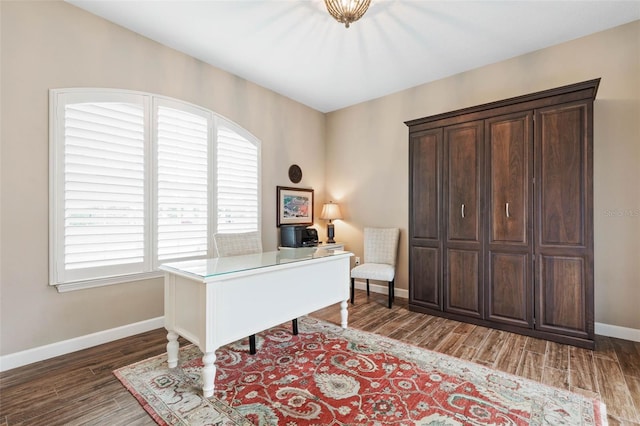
(381, 245)
(237, 244)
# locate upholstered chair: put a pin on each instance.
(380, 253)
(237, 244)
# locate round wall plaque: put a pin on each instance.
(295, 173)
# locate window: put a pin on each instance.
(238, 176)
(135, 179)
(182, 183)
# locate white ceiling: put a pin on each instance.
(295, 48)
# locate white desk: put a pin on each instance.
(213, 302)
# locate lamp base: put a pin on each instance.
(330, 233)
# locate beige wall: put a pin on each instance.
(367, 152)
(52, 45)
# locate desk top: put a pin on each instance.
(207, 268)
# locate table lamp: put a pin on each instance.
(330, 211)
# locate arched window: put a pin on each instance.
(137, 180)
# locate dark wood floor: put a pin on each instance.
(80, 389)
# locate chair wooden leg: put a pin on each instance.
(367, 286)
(294, 326)
(252, 344)
(352, 289)
(393, 289)
(390, 294)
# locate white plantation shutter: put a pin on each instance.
(104, 189)
(182, 183)
(135, 181)
(237, 189)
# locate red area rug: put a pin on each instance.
(329, 376)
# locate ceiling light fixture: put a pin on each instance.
(347, 11)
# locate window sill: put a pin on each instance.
(121, 279)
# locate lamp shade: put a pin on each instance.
(330, 211)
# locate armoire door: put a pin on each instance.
(509, 172)
(463, 262)
(564, 219)
(425, 226)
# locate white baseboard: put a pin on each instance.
(625, 333)
(382, 289)
(602, 329)
(18, 359)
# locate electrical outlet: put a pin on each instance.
(357, 261)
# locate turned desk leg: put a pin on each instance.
(172, 349)
(208, 373)
(344, 314)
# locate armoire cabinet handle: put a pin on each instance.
(506, 209)
(462, 210)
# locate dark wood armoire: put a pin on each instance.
(501, 214)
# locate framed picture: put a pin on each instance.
(295, 206)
